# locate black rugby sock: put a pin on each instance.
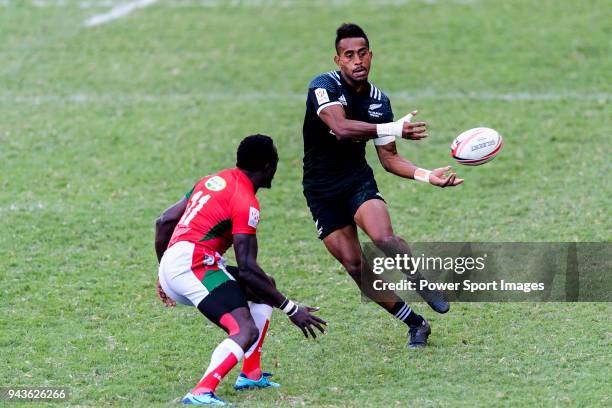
(404, 313)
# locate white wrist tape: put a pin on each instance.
(294, 312)
(290, 308)
(422, 175)
(387, 132)
(407, 118)
(390, 129)
(379, 141)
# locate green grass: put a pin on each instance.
(104, 127)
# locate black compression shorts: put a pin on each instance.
(335, 212)
(223, 299)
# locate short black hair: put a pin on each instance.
(349, 30)
(255, 152)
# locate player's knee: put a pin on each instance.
(246, 336)
(272, 280)
(353, 267)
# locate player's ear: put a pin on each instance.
(270, 165)
(337, 59)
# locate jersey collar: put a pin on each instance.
(351, 89)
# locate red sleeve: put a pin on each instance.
(245, 215)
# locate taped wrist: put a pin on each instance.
(387, 132)
(422, 175)
(288, 307)
(380, 141)
(393, 129)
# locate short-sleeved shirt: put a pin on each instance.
(220, 206)
(333, 166)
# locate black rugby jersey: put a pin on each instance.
(332, 166)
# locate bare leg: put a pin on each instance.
(343, 244)
(373, 218)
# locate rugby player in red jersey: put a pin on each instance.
(190, 239)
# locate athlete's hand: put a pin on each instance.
(304, 320)
(413, 130)
(166, 300)
(444, 177)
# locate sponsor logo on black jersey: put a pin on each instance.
(372, 110)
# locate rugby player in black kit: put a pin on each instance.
(343, 112)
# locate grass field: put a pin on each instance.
(103, 127)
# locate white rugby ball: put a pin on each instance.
(476, 146)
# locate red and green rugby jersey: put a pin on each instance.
(219, 206)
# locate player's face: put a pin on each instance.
(269, 175)
(354, 59)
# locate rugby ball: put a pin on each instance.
(476, 146)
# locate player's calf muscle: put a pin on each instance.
(388, 242)
(353, 267)
(246, 336)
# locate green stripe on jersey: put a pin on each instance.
(214, 278)
(188, 194)
(218, 230)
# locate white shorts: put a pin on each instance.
(178, 279)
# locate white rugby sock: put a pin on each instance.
(227, 354)
(261, 314)
(251, 367)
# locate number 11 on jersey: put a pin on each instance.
(196, 204)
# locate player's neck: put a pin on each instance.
(357, 87)
(253, 177)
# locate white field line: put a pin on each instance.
(19, 207)
(120, 10)
(501, 96)
(87, 4)
(127, 99)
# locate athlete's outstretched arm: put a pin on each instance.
(394, 163)
(164, 226)
(334, 117)
(245, 247)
